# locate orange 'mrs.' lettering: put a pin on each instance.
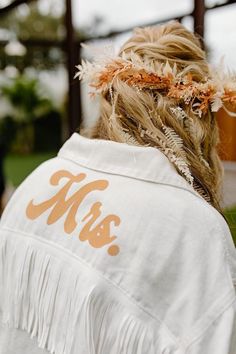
(98, 235)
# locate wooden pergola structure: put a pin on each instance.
(71, 45)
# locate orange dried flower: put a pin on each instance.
(136, 73)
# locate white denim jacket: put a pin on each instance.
(106, 249)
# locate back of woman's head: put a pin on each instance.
(148, 117)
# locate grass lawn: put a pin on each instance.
(17, 167)
(230, 215)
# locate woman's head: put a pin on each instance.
(146, 116)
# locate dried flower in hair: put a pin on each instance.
(179, 113)
(172, 147)
(142, 74)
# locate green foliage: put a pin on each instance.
(24, 95)
(36, 23)
(33, 26)
(8, 129)
(29, 107)
(40, 28)
(18, 167)
(230, 215)
(48, 132)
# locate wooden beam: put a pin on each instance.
(13, 5)
(229, 2)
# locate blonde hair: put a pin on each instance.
(148, 118)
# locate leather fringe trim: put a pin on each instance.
(55, 302)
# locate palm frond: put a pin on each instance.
(200, 190)
(175, 142)
(128, 139)
(168, 147)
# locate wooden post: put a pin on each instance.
(199, 15)
(72, 51)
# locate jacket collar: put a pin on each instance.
(144, 163)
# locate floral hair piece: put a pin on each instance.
(214, 92)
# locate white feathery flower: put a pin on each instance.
(167, 69)
(216, 102)
(179, 113)
(86, 70)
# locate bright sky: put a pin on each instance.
(126, 13)
(220, 29)
(220, 25)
